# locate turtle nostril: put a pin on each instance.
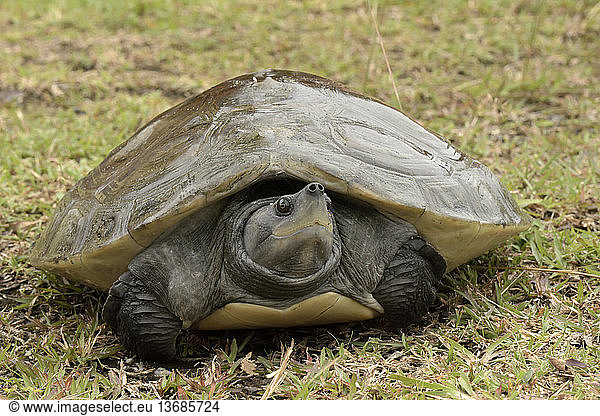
(315, 186)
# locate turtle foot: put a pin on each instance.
(409, 283)
(142, 322)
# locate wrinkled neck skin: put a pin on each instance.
(290, 280)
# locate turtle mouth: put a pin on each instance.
(299, 252)
(304, 226)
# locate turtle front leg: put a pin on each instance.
(142, 322)
(410, 281)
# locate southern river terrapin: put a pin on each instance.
(276, 198)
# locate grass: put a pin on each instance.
(514, 83)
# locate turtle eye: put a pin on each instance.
(283, 206)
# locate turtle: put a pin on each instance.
(274, 199)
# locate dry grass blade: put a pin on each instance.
(277, 375)
(302, 393)
(571, 362)
(558, 363)
(387, 61)
(540, 269)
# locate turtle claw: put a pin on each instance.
(409, 283)
(143, 323)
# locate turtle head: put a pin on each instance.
(293, 234)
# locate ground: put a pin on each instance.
(513, 83)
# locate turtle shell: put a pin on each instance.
(273, 124)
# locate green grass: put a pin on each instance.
(514, 83)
